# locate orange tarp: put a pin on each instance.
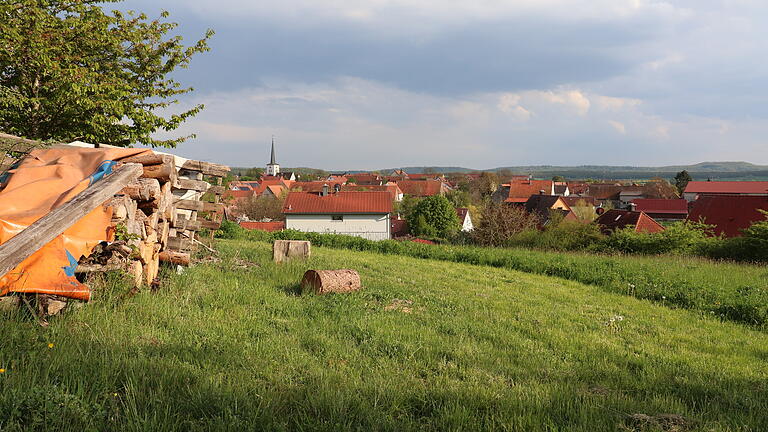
(44, 180)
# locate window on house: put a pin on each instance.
(337, 218)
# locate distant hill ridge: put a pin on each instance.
(702, 167)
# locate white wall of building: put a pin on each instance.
(371, 227)
(467, 225)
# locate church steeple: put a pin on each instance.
(273, 168)
(272, 159)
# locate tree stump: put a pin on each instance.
(330, 281)
(283, 250)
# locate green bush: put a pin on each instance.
(434, 216)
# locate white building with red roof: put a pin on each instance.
(362, 214)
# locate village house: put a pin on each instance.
(662, 209)
(518, 190)
(694, 189)
(613, 220)
(546, 206)
(393, 189)
(423, 188)
(361, 214)
(728, 213)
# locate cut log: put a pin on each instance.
(186, 204)
(207, 168)
(9, 303)
(145, 159)
(48, 227)
(143, 189)
(122, 206)
(163, 229)
(165, 171)
(174, 257)
(283, 250)
(136, 271)
(167, 208)
(195, 185)
(49, 305)
(180, 244)
(330, 281)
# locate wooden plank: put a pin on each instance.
(196, 225)
(188, 184)
(184, 204)
(216, 190)
(207, 168)
(48, 227)
(180, 244)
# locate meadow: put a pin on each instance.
(730, 291)
(425, 345)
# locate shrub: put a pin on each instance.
(434, 216)
(500, 222)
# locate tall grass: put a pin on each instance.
(730, 291)
(230, 346)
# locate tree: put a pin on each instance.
(439, 218)
(69, 70)
(263, 207)
(459, 198)
(681, 180)
(558, 178)
(501, 222)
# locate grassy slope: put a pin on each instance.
(482, 348)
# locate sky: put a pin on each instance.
(372, 84)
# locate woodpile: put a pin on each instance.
(283, 250)
(157, 217)
(330, 281)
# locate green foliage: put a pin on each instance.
(558, 178)
(564, 236)
(686, 237)
(68, 71)
(681, 180)
(459, 198)
(434, 216)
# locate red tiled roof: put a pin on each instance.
(573, 200)
(263, 226)
(661, 206)
(338, 203)
(364, 179)
(238, 194)
(728, 187)
(616, 219)
(728, 213)
(421, 188)
(519, 189)
(314, 186)
(391, 188)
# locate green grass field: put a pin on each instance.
(426, 344)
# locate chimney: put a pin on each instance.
(325, 190)
(632, 206)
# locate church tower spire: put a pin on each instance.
(273, 168)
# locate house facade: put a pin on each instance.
(360, 214)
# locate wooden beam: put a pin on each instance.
(195, 185)
(48, 227)
(207, 168)
(185, 204)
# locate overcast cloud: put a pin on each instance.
(348, 84)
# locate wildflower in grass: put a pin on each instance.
(2, 370)
(50, 345)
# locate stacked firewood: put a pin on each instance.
(156, 217)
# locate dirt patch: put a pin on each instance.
(404, 306)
